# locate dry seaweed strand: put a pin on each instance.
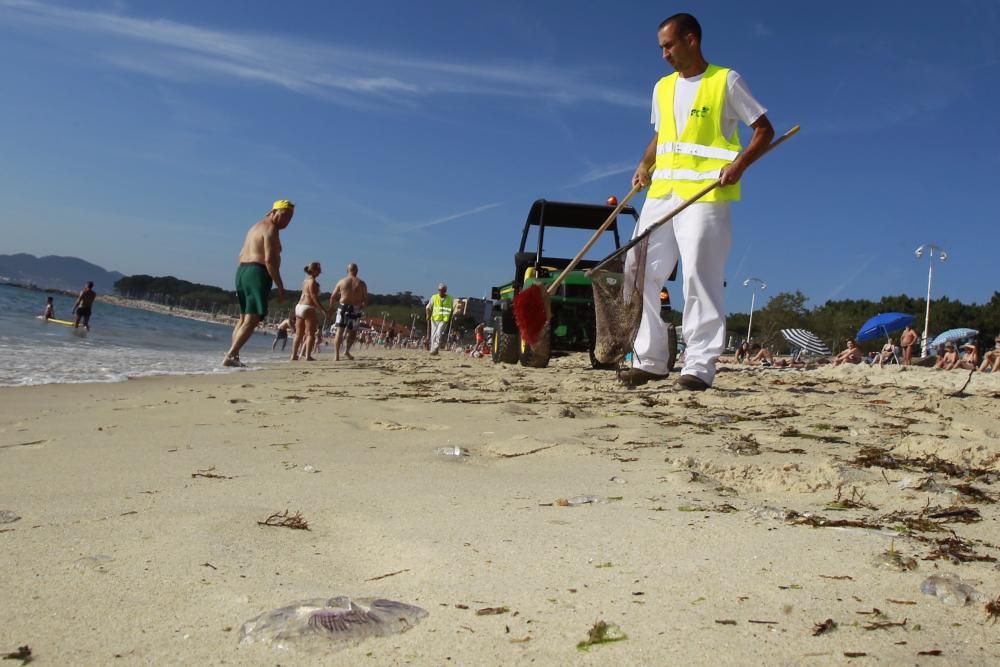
(993, 610)
(209, 473)
(23, 653)
(961, 392)
(284, 520)
(885, 625)
(492, 611)
(824, 627)
(856, 501)
(871, 457)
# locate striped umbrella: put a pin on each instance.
(953, 336)
(806, 340)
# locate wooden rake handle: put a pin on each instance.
(670, 216)
(593, 239)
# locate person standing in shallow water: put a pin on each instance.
(83, 305)
(259, 269)
(281, 334)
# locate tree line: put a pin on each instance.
(835, 322)
(172, 291)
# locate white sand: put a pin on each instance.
(122, 557)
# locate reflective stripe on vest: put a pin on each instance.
(441, 310)
(687, 163)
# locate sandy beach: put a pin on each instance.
(138, 539)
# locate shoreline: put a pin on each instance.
(703, 503)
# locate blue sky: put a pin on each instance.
(146, 137)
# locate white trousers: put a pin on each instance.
(700, 236)
(438, 330)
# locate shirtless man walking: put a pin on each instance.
(351, 293)
(84, 302)
(260, 266)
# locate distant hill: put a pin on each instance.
(54, 272)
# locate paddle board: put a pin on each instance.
(62, 322)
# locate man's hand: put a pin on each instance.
(640, 178)
(281, 295)
(731, 173)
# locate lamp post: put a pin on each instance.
(413, 324)
(931, 250)
(382, 328)
(752, 283)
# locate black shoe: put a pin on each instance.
(633, 377)
(691, 383)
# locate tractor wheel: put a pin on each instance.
(671, 347)
(506, 347)
(537, 355)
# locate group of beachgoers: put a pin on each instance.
(260, 269)
(948, 356)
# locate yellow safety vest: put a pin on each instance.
(686, 164)
(441, 309)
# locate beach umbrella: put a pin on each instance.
(953, 336)
(883, 324)
(806, 340)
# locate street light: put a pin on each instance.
(413, 324)
(752, 284)
(930, 249)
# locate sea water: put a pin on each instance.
(122, 343)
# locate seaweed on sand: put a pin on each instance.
(856, 501)
(285, 520)
(871, 457)
(601, 633)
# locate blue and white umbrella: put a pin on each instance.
(806, 341)
(953, 336)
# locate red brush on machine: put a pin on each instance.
(531, 306)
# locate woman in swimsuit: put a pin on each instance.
(307, 314)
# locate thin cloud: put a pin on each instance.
(600, 173)
(182, 52)
(857, 273)
(760, 30)
(449, 218)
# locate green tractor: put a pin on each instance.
(573, 322)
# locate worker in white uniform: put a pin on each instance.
(696, 112)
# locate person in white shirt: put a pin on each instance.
(700, 236)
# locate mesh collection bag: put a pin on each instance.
(618, 306)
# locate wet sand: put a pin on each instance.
(139, 541)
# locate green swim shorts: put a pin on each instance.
(253, 287)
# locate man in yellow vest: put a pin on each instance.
(439, 312)
(696, 112)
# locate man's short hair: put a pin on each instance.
(352, 268)
(90, 284)
(686, 24)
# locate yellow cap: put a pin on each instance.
(282, 203)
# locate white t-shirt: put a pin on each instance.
(740, 103)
